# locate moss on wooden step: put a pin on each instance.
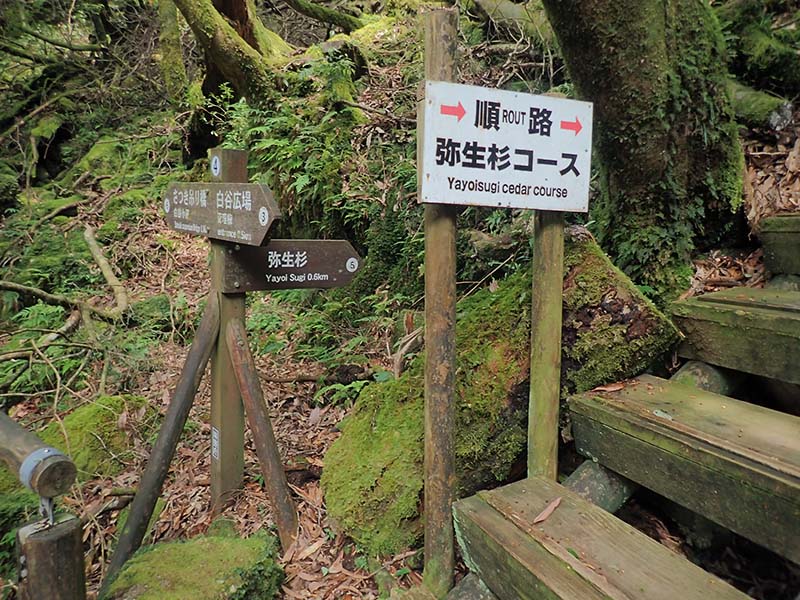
(750, 330)
(781, 238)
(736, 463)
(578, 551)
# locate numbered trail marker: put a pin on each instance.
(488, 147)
(234, 212)
(291, 264)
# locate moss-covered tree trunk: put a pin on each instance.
(669, 153)
(245, 65)
(171, 61)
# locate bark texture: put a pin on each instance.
(667, 142)
(243, 65)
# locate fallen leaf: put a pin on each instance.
(547, 511)
(311, 549)
(611, 387)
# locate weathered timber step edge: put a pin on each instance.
(781, 237)
(750, 330)
(579, 552)
(736, 463)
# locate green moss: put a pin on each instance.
(47, 126)
(92, 437)
(600, 304)
(373, 473)
(16, 508)
(203, 568)
(372, 476)
(377, 501)
(55, 260)
(9, 187)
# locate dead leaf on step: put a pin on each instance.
(547, 511)
(611, 387)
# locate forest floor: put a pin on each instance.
(325, 564)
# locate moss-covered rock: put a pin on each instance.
(373, 473)
(203, 568)
(93, 437)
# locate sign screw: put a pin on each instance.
(236, 284)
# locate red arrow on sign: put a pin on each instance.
(454, 111)
(572, 125)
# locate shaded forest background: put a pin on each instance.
(104, 102)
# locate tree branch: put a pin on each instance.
(120, 295)
(60, 43)
(326, 15)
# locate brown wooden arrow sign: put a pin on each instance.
(291, 264)
(234, 212)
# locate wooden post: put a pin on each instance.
(155, 472)
(269, 457)
(227, 411)
(441, 36)
(39, 467)
(51, 560)
(545, 375)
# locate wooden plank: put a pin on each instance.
(730, 461)
(762, 298)
(152, 480)
(441, 40)
(546, 309)
(757, 331)
(511, 563)
(781, 238)
(578, 551)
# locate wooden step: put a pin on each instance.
(781, 237)
(736, 463)
(750, 330)
(579, 552)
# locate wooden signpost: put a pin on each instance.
(236, 216)
(494, 148)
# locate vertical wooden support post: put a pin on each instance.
(441, 35)
(227, 411)
(548, 282)
(51, 561)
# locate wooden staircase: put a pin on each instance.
(736, 463)
(733, 462)
(579, 552)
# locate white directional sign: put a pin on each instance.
(490, 147)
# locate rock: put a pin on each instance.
(203, 568)
(95, 435)
(373, 474)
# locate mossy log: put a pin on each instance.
(759, 109)
(373, 473)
